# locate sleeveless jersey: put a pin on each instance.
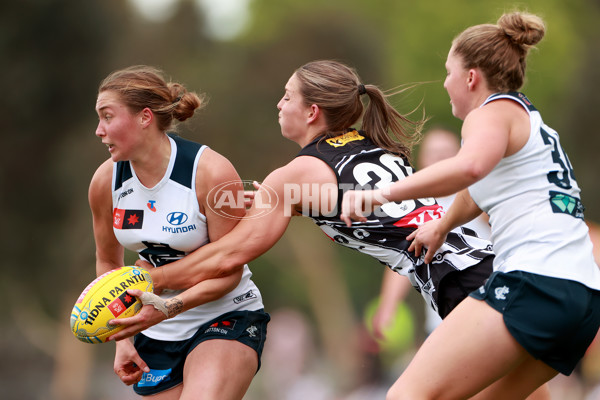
(163, 224)
(359, 164)
(535, 210)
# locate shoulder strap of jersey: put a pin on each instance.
(516, 96)
(183, 171)
(122, 173)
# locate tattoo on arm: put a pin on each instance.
(174, 307)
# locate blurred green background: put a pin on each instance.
(240, 53)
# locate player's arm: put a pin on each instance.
(251, 237)
(264, 224)
(432, 234)
(109, 252)
(482, 150)
(223, 210)
(394, 288)
(128, 365)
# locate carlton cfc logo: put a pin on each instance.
(177, 218)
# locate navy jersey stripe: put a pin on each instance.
(183, 170)
(123, 173)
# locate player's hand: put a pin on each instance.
(429, 236)
(128, 364)
(147, 317)
(382, 320)
(358, 203)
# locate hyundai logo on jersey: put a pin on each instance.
(177, 218)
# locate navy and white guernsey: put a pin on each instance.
(163, 224)
(359, 164)
(535, 210)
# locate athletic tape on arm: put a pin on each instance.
(155, 301)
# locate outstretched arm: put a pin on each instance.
(257, 232)
(274, 204)
(481, 151)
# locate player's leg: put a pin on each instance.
(528, 380)
(170, 394)
(219, 369)
(225, 356)
(468, 351)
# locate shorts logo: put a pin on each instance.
(154, 377)
(252, 330)
(501, 292)
(221, 327)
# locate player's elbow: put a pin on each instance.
(229, 266)
(473, 171)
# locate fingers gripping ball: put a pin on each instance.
(106, 298)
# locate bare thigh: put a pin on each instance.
(467, 352)
(219, 369)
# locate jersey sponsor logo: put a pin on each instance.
(154, 377)
(179, 229)
(344, 139)
(249, 295)
(128, 219)
(151, 205)
(562, 203)
(419, 216)
(177, 218)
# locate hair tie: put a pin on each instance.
(361, 89)
(176, 100)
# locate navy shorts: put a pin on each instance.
(555, 320)
(167, 358)
(457, 285)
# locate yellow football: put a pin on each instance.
(106, 298)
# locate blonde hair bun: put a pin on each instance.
(522, 28)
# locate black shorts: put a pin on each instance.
(555, 320)
(167, 358)
(456, 286)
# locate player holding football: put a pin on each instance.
(151, 197)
